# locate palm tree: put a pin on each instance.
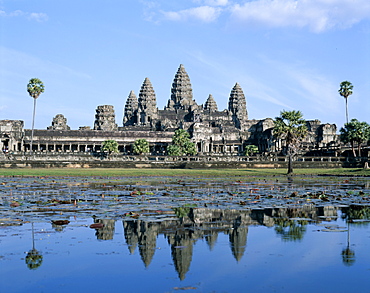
(345, 91)
(291, 127)
(34, 88)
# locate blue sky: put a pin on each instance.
(285, 54)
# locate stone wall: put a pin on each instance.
(103, 160)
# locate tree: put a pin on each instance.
(355, 132)
(250, 150)
(110, 146)
(181, 144)
(174, 150)
(345, 91)
(141, 146)
(34, 88)
(290, 127)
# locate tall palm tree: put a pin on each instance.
(34, 88)
(345, 91)
(290, 127)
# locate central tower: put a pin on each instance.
(181, 91)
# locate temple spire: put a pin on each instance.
(147, 103)
(131, 108)
(211, 104)
(238, 106)
(181, 91)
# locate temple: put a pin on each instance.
(224, 132)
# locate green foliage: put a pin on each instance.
(357, 212)
(180, 137)
(33, 259)
(181, 144)
(249, 150)
(348, 257)
(181, 212)
(174, 150)
(141, 146)
(355, 132)
(184, 210)
(345, 89)
(189, 148)
(35, 87)
(290, 230)
(290, 127)
(110, 146)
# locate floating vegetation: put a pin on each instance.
(28, 198)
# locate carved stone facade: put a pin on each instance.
(181, 91)
(224, 132)
(210, 105)
(148, 110)
(11, 135)
(59, 123)
(131, 110)
(105, 119)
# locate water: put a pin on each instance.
(158, 242)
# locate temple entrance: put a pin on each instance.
(5, 147)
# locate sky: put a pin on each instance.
(285, 54)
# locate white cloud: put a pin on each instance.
(150, 9)
(202, 13)
(215, 2)
(317, 15)
(39, 17)
(16, 13)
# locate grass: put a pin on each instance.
(178, 172)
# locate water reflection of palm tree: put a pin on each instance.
(34, 257)
(290, 230)
(348, 255)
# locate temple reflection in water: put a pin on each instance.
(205, 224)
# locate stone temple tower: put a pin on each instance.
(147, 111)
(131, 109)
(59, 123)
(181, 91)
(105, 119)
(238, 106)
(210, 105)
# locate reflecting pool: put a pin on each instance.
(160, 235)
